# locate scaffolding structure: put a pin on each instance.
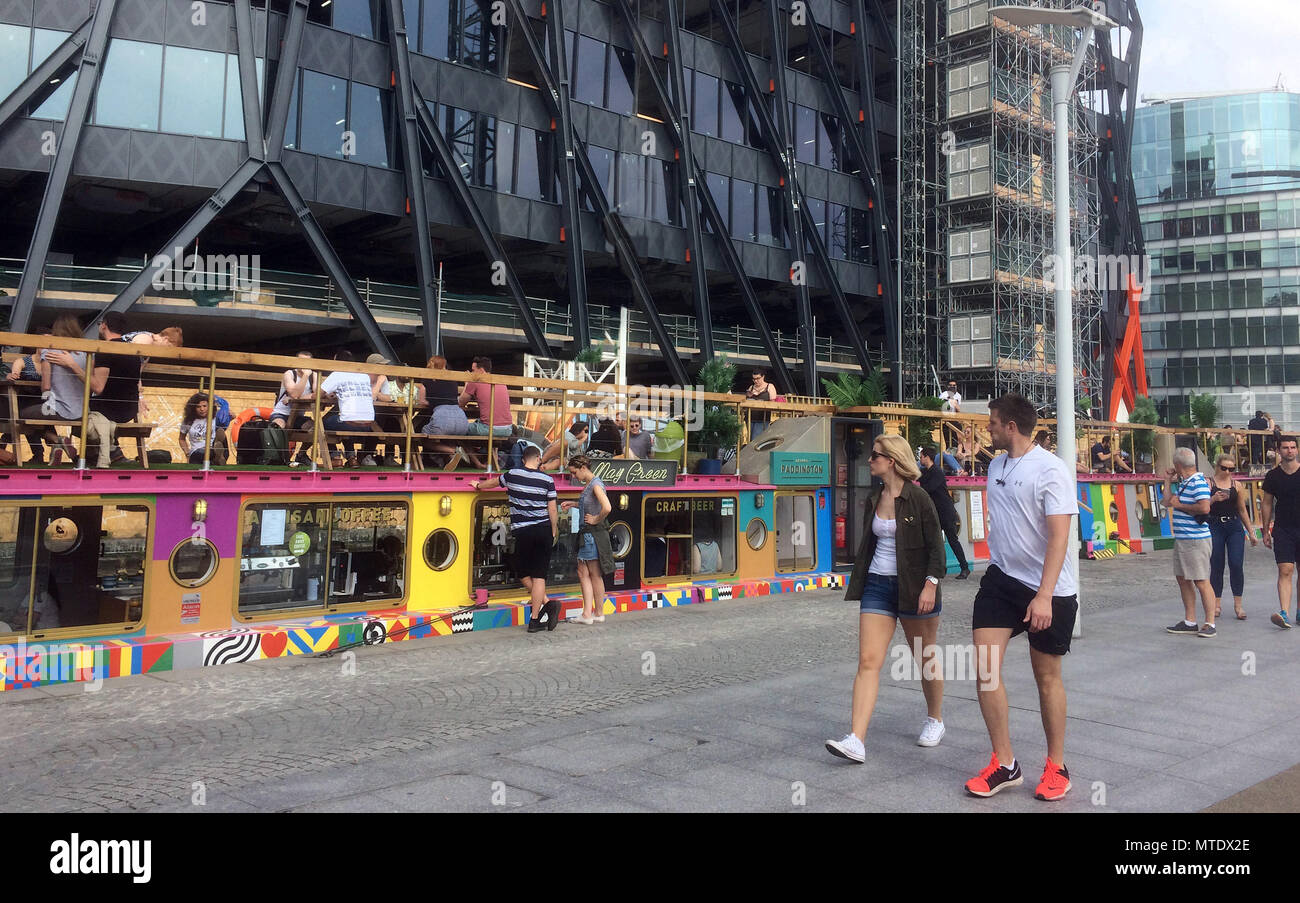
(990, 264)
(919, 185)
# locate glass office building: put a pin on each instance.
(1218, 181)
(166, 126)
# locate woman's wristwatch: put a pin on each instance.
(934, 580)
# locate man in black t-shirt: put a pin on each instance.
(1258, 422)
(1282, 513)
(115, 390)
(1101, 457)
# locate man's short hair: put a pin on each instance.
(115, 321)
(927, 452)
(1184, 457)
(1105, 440)
(484, 363)
(531, 452)
(1259, 413)
(759, 371)
(343, 355)
(579, 427)
(1016, 408)
(1287, 439)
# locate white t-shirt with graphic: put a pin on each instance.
(1034, 486)
(951, 399)
(356, 403)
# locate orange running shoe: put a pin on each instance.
(1054, 783)
(994, 778)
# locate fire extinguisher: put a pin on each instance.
(841, 526)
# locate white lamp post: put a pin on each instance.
(1063, 88)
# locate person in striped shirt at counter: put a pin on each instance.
(1186, 494)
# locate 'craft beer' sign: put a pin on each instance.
(635, 473)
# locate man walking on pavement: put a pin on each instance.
(1282, 523)
(1188, 501)
(936, 484)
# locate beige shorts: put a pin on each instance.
(1192, 559)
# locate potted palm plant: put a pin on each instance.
(719, 427)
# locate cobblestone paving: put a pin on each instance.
(292, 732)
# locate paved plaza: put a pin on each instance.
(722, 706)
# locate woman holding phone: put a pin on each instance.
(1229, 526)
(896, 578)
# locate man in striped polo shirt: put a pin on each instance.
(535, 525)
(1188, 500)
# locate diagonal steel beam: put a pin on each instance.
(776, 21)
(248, 80)
(286, 78)
(184, 235)
(612, 223)
(460, 190)
(329, 259)
(673, 120)
(566, 170)
(789, 172)
(35, 88)
(409, 132)
(88, 71)
(688, 184)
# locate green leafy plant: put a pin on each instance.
(849, 390)
(1144, 411)
(920, 430)
(589, 356)
(1205, 410)
(720, 428)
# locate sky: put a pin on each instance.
(1215, 45)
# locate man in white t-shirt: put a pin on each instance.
(1029, 586)
(951, 398)
(354, 409)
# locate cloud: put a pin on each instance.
(1206, 45)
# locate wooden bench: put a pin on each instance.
(137, 431)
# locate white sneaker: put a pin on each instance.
(579, 619)
(850, 748)
(599, 619)
(931, 733)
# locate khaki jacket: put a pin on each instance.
(920, 544)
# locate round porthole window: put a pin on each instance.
(194, 563)
(620, 539)
(440, 549)
(61, 535)
(756, 534)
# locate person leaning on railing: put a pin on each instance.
(63, 379)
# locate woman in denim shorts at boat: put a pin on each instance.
(896, 577)
(595, 554)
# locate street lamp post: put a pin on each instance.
(1063, 88)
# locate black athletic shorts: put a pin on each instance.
(1286, 544)
(1003, 601)
(533, 550)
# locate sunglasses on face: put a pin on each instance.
(875, 454)
(1227, 467)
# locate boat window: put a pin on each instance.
(494, 548)
(689, 536)
(796, 532)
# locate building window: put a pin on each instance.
(837, 230)
(435, 29)
(370, 122)
(805, 134)
(130, 86)
(505, 148)
(968, 89)
(324, 114)
(970, 341)
(859, 236)
(704, 104)
(602, 161)
(742, 210)
(534, 159)
(314, 555)
(14, 56)
(44, 42)
(719, 189)
(72, 565)
(734, 112)
(767, 205)
(689, 536)
(473, 39)
(963, 15)
(192, 89)
(622, 81)
(969, 255)
(969, 172)
(589, 71)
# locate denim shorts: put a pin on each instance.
(880, 597)
(587, 551)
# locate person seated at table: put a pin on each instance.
(640, 441)
(607, 442)
(493, 402)
(354, 411)
(1102, 458)
(194, 433)
(395, 390)
(293, 404)
(575, 439)
(63, 381)
(446, 416)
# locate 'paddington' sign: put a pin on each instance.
(800, 469)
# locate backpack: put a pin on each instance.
(221, 412)
(262, 442)
(514, 456)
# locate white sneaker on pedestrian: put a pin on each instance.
(850, 748)
(931, 733)
(579, 619)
